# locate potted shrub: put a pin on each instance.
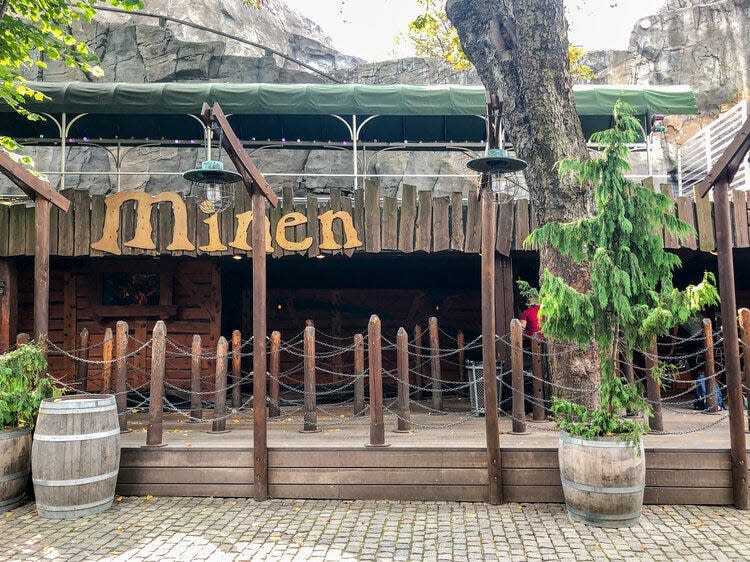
(631, 301)
(23, 386)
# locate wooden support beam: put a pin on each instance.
(236, 369)
(33, 186)
(744, 319)
(8, 303)
(41, 269)
(492, 423)
(419, 368)
(310, 407)
(82, 374)
(121, 373)
(107, 346)
(538, 383)
(708, 338)
(435, 371)
(653, 390)
(196, 408)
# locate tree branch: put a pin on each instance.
(3, 7)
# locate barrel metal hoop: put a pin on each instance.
(14, 476)
(614, 517)
(67, 411)
(79, 437)
(13, 501)
(77, 507)
(78, 481)
(12, 434)
(566, 438)
(602, 489)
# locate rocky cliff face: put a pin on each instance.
(703, 44)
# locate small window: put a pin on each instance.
(123, 288)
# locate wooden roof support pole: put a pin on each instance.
(719, 177)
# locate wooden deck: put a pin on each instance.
(447, 463)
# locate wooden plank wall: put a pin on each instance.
(673, 476)
(196, 295)
(421, 222)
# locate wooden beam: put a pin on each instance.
(237, 153)
(31, 185)
(41, 269)
(8, 304)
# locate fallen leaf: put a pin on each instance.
(149, 498)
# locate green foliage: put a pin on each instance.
(32, 33)
(23, 385)
(632, 299)
(433, 35)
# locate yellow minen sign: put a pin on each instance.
(143, 237)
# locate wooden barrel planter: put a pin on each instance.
(15, 466)
(603, 480)
(75, 456)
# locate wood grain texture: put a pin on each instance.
(670, 240)
(424, 221)
(473, 239)
(505, 222)
(704, 222)
(521, 223)
(372, 216)
(686, 212)
(457, 221)
(389, 224)
(408, 218)
(440, 224)
(739, 211)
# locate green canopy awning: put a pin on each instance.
(340, 99)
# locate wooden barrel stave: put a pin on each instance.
(76, 456)
(15, 466)
(603, 480)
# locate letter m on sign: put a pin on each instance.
(144, 236)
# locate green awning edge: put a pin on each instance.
(340, 99)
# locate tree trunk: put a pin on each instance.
(520, 49)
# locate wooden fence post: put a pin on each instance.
(219, 424)
(107, 361)
(375, 359)
(402, 366)
(461, 345)
(744, 318)
(236, 369)
(538, 382)
(311, 415)
(156, 399)
(274, 408)
(196, 352)
(437, 383)
(121, 373)
(711, 384)
(359, 374)
(653, 390)
(82, 376)
(516, 362)
(418, 358)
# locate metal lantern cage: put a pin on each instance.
(213, 186)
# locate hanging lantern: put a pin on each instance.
(497, 163)
(213, 186)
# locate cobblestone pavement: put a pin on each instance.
(170, 529)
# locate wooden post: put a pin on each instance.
(461, 345)
(538, 383)
(492, 424)
(8, 303)
(260, 435)
(653, 390)
(375, 359)
(437, 383)
(418, 379)
(236, 369)
(219, 424)
(196, 352)
(516, 362)
(359, 374)
(41, 268)
(311, 415)
(629, 370)
(82, 374)
(121, 373)
(744, 317)
(156, 400)
(274, 407)
(731, 346)
(708, 338)
(402, 365)
(107, 362)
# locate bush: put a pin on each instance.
(23, 385)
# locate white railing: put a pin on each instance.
(699, 153)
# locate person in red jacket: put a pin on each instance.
(531, 321)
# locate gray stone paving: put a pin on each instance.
(195, 529)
